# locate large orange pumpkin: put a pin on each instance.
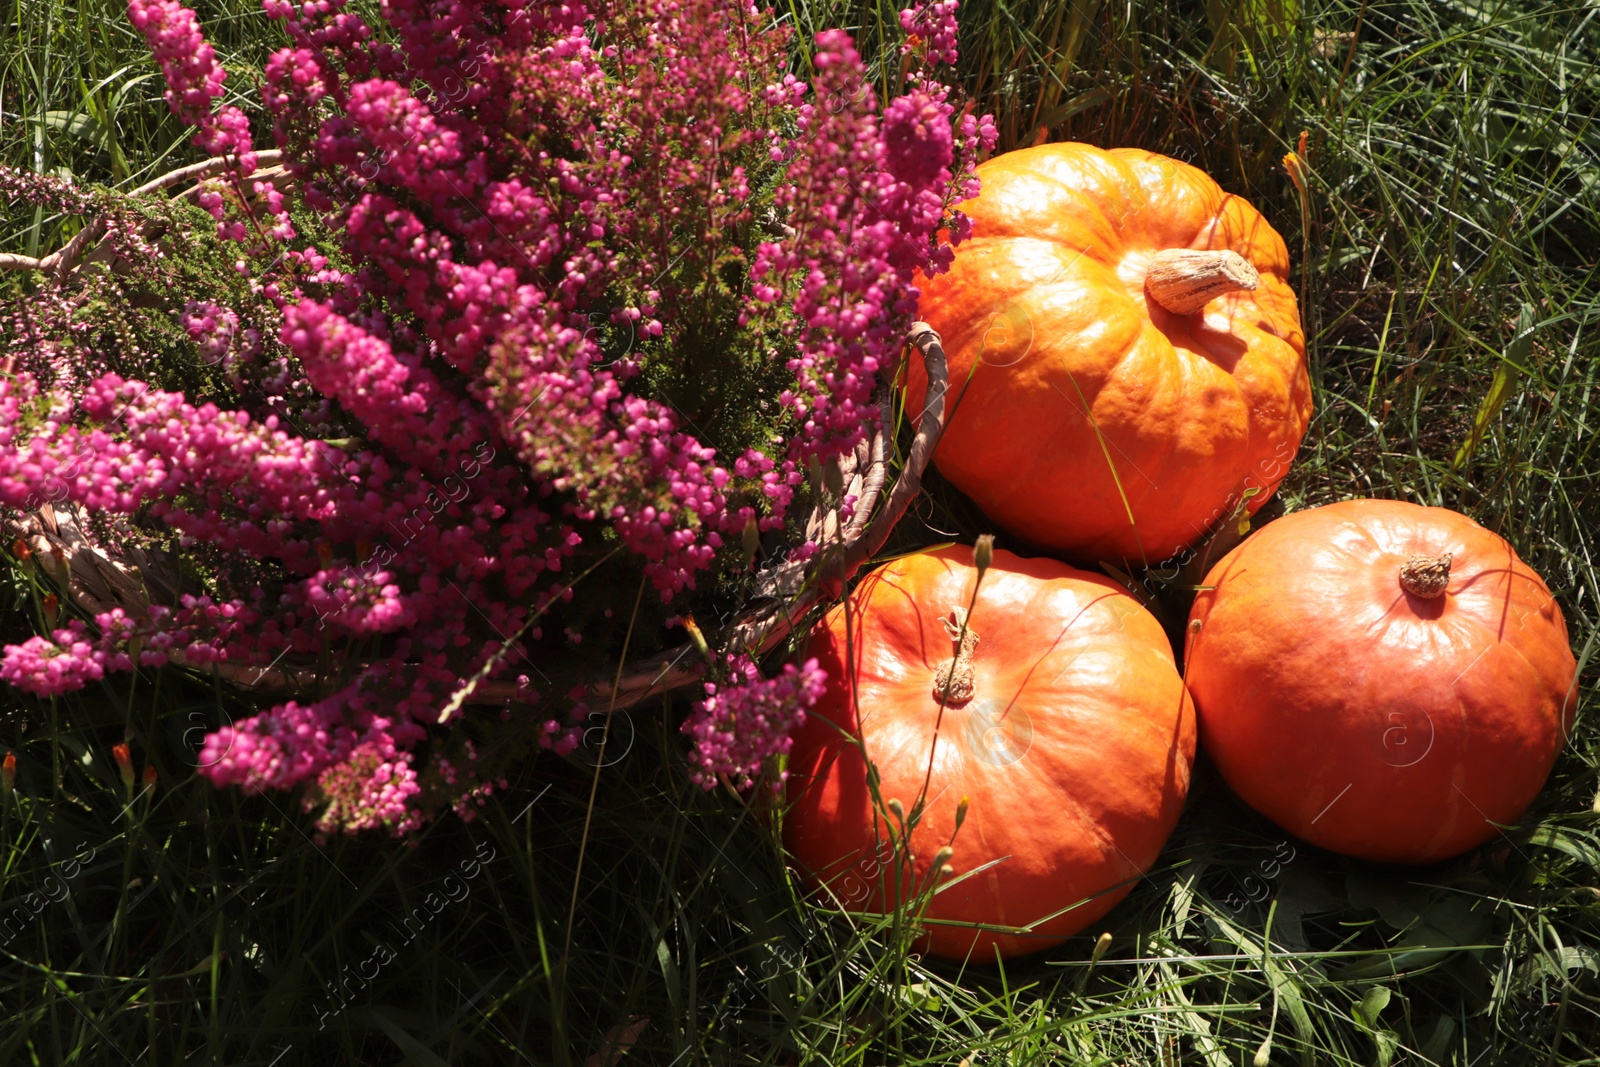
(1381, 679)
(1126, 350)
(1066, 727)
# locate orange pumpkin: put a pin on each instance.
(1065, 726)
(1126, 351)
(1381, 679)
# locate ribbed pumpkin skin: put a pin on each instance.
(1363, 718)
(1045, 309)
(1075, 749)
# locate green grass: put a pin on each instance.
(1447, 262)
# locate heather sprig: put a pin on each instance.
(747, 718)
(545, 283)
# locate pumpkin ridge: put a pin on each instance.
(1099, 701)
(1532, 667)
(1087, 412)
(1470, 602)
(1114, 224)
(1191, 373)
(1071, 801)
(1028, 158)
(1103, 441)
(1000, 228)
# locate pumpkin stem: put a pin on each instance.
(1184, 280)
(952, 678)
(1426, 576)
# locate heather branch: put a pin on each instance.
(206, 168)
(805, 582)
(473, 232)
(796, 587)
(61, 261)
(825, 574)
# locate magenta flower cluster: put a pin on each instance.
(187, 59)
(536, 219)
(69, 659)
(744, 721)
(371, 789)
(72, 657)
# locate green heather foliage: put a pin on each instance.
(1447, 253)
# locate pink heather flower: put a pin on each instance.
(935, 25)
(919, 142)
(436, 416)
(747, 720)
(280, 747)
(564, 738)
(368, 790)
(211, 327)
(194, 77)
(467, 804)
(188, 62)
(359, 602)
(49, 667)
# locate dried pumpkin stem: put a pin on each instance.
(1426, 576)
(1184, 280)
(952, 678)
